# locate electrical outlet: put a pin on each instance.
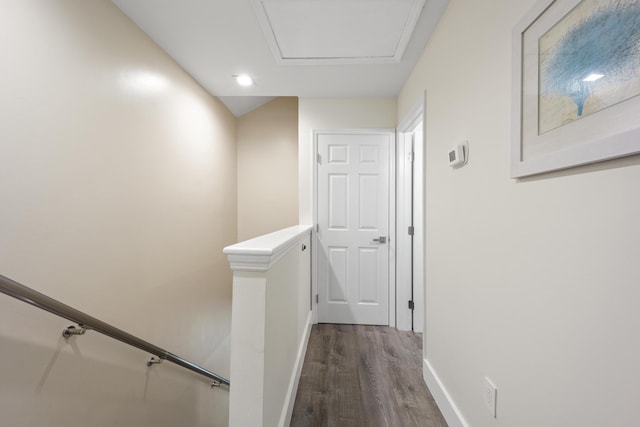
(490, 397)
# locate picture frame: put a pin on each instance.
(561, 116)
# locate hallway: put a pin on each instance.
(363, 376)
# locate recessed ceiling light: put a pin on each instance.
(593, 77)
(244, 80)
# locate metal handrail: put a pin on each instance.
(35, 298)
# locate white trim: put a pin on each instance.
(393, 235)
(407, 125)
(447, 406)
(425, 336)
(392, 214)
(290, 398)
(412, 118)
(403, 261)
(419, 219)
(314, 235)
(261, 253)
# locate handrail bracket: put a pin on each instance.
(154, 361)
(72, 330)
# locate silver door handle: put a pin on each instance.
(381, 239)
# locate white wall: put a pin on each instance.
(118, 189)
(326, 113)
(286, 329)
(533, 283)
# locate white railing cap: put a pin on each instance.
(260, 253)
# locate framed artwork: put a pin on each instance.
(576, 84)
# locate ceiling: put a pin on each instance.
(305, 48)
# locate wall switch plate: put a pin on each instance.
(490, 394)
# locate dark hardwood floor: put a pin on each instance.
(364, 376)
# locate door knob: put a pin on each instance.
(381, 239)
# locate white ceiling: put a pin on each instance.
(241, 105)
(306, 48)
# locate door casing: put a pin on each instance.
(412, 120)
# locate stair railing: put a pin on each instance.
(86, 322)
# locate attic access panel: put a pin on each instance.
(338, 31)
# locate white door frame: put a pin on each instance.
(392, 216)
(403, 320)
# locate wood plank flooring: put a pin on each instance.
(363, 376)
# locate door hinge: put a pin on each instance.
(411, 305)
(411, 230)
(412, 156)
(319, 158)
(317, 228)
(317, 299)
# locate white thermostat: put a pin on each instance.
(457, 155)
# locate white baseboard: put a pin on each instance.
(290, 399)
(447, 406)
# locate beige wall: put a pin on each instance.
(268, 168)
(118, 189)
(329, 113)
(533, 283)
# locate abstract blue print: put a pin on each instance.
(589, 60)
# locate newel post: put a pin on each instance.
(270, 324)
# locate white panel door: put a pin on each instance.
(353, 227)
